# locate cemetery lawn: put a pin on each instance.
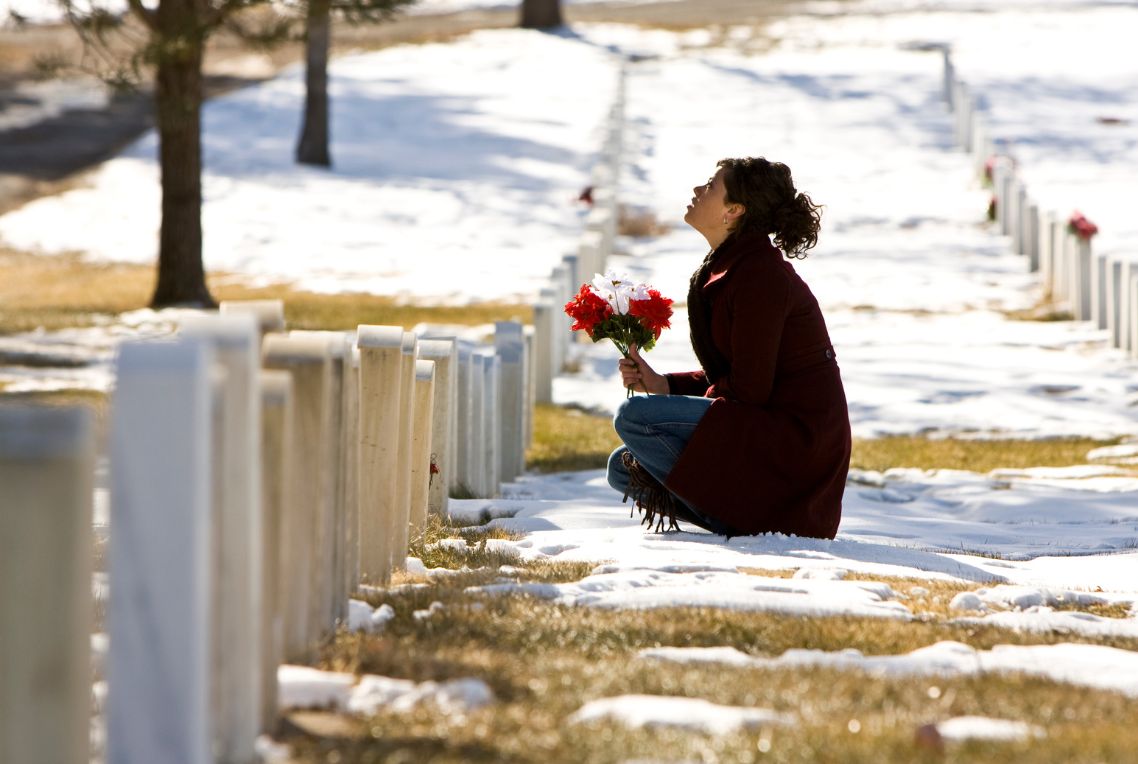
(53, 293)
(573, 438)
(544, 661)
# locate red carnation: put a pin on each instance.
(587, 309)
(653, 312)
(1081, 227)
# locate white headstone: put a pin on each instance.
(47, 464)
(351, 471)
(307, 358)
(1046, 257)
(509, 345)
(1114, 301)
(491, 432)
(1084, 264)
(1126, 337)
(277, 443)
(402, 517)
(1098, 290)
(544, 318)
(444, 353)
(237, 530)
(160, 619)
(381, 364)
(1031, 237)
(269, 314)
(421, 445)
(332, 601)
(1132, 315)
(1126, 302)
(465, 451)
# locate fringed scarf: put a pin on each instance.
(699, 319)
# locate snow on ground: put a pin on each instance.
(1105, 668)
(690, 714)
(1058, 86)
(461, 177)
(983, 728)
(304, 687)
(457, 168)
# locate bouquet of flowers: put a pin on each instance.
(615, 307)
(1081, 227)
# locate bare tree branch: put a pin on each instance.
(147, 16)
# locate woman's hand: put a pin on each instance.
(637, 374)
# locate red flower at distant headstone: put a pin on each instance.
(1081, 227)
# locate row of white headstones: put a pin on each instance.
(1095, 287)
(258, 477)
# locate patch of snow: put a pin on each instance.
(454, 545)
(728, 656)
(644, 588)
(691, 714)
(303, 687)
(362, 617)
(1104, 668)
(967, 601)
(1044, 620)
(985, 728)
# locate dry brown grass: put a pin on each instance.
(569, 438)
(975, 455)
(573, 439)
(64, 291)
(543, 661)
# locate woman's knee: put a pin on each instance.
(632, 413)
(616, 474)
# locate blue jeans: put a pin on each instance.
(656, 428)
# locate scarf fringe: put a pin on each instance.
(652, 499)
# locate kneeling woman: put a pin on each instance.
(758, 439)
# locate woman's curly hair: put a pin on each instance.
(766, 191)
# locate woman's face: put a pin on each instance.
(709, 207)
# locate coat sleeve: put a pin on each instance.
(757, 313)
(687, 383)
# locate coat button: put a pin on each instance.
(829, 354)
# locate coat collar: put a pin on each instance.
(734, 249)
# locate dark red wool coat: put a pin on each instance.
(773, 450)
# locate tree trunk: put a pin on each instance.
(313, 145)
(541, 14)
(178, 47)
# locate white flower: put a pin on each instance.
(617, 288)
